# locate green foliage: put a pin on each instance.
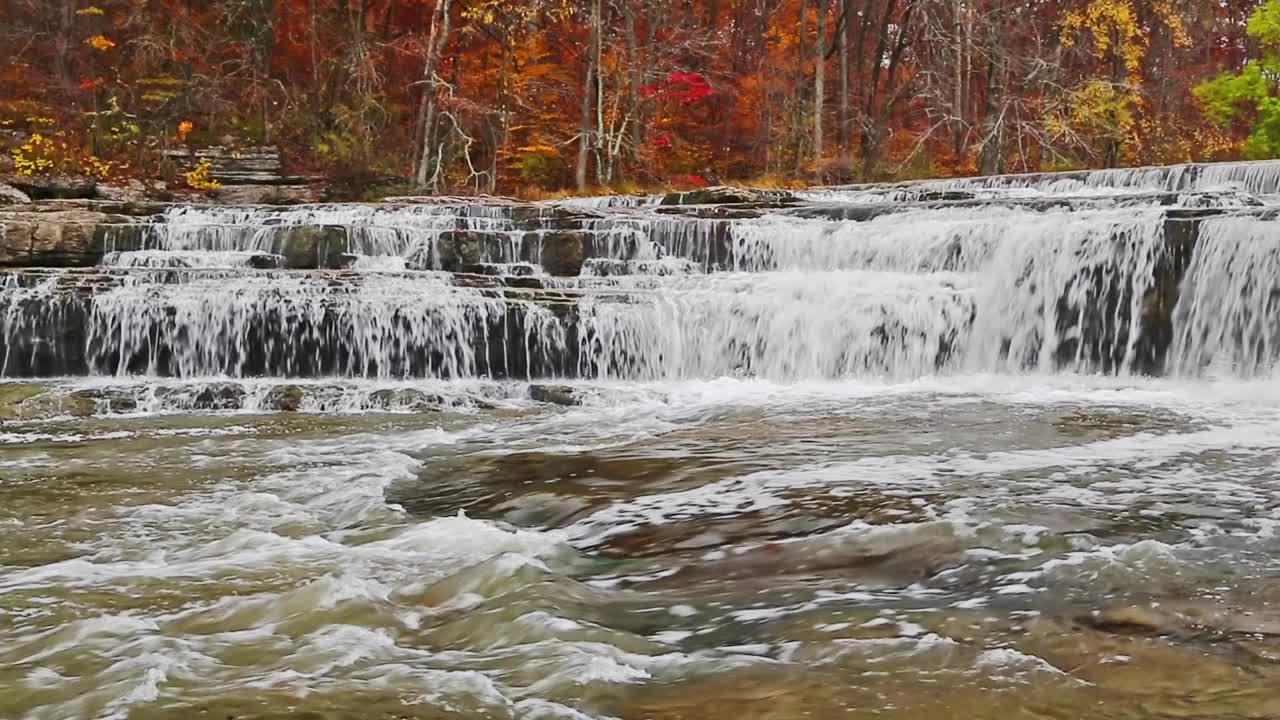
(1222, 96)
(540, 165)
(1264, 141)
(1264, 25)
(1250, 94)
(335, 147)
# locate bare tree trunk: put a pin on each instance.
(992, 159)
(584, 126)
(426, 156)
(633, 65)
(1111, 153)
(957, 105)
(315, 45)
(802, 57)
(871, 135)
(819, 82)
(62, 36)
(846, 27)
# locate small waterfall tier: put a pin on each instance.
(1151, 271)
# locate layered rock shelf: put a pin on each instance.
(1008, 274)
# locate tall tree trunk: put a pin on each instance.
(585, 140)
(1119, 83)
(846, 26)
(425, 175)
(957, 103)
(62, 36)
(993, 125)
(872, 134)
(634, 67)
(798, 132)
(819, 82)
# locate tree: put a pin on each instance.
(1250, 95)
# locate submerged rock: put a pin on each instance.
(555, 395)
(79, 404)
(14, 395)
(405, 399)
(223, 396)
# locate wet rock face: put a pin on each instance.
(563, 253)
(285, 398)
(223, 396)
(312, 246)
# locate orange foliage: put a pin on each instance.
(684, 92)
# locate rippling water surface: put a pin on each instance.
(978, 547)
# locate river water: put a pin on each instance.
(749, 511)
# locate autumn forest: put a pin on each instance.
(537, 97)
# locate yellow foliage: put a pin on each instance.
(35, 157)
(184, 129)
(91, 10)
(201, 177)
(99, 168)
(100, 42)
(1114, 27)
(1097, 111)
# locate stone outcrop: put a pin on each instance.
(10, 195)
(721, 195)
(554, 395)
(55, 187)
(65, 238)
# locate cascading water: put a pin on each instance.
(1227, 319)
(645, 292)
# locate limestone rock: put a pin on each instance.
(721, 195)
(65, 238)
(10, 195)
(129, 191)
(59, 187)
(265, 194)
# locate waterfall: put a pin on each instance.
(1165, 272)
(1228, 315)
(282, 325)
(1257, 178)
